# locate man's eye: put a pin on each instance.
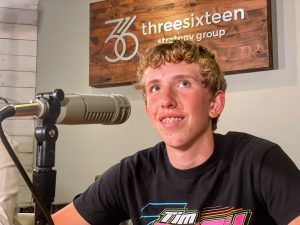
(154, 88)
(184, 83)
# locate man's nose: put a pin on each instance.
(168, 99)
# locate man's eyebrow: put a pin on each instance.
(154, 81)
(182, 76)
(175, 77)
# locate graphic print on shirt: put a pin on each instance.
(178, 213)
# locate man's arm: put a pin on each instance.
(296, 221)
(68, 215)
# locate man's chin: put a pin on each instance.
(174, 142)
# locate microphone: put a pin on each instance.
(82, 109)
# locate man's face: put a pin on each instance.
(177, 104)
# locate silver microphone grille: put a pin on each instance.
(106, 109)
(94, 109)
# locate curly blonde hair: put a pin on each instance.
(188, 52)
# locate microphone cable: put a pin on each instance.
(5, 113)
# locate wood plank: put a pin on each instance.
(25, 144)
(18, 16)
(15, 31)
(18, 127)
(18, 63)
(26, 159)
(21, 144)
(21, 180)
(19, 4)
(24, 197)
(18, 47)
(17, 95)
(17, 79)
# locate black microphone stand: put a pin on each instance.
(46, 134)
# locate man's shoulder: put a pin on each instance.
(244, 139)
(145, 158)
(244, 144)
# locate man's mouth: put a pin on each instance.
(171, 119)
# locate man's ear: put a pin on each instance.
(217, 104)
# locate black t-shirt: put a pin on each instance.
(247, 180)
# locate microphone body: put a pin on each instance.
(81, 109)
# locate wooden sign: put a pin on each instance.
(238, 32)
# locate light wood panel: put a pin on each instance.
(18, 49)
(16, 31)
(18, 16)
(19, 4)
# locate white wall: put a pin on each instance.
(266, 104)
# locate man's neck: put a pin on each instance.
(193, 155)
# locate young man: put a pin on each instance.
(194, 176)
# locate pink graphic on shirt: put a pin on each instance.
(213, 216)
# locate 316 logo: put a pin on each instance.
(120, 32)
